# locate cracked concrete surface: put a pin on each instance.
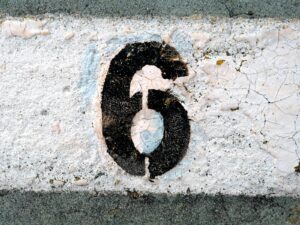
(242, 97)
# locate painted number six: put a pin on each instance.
(119, 109)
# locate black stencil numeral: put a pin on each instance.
(118, 109)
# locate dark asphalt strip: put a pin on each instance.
(128, 8)
(49, 208)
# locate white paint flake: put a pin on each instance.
(25, 29)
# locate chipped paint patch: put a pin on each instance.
(69, 35)
(25, 29)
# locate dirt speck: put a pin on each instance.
(220, 62)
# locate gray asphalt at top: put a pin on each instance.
(128, 8)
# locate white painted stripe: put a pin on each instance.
(242, 96)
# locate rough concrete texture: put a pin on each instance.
(241, 95)
(231, 8)
(17, 208)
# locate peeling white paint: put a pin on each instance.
(69, 35)
(25, 29)
(244, 112)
